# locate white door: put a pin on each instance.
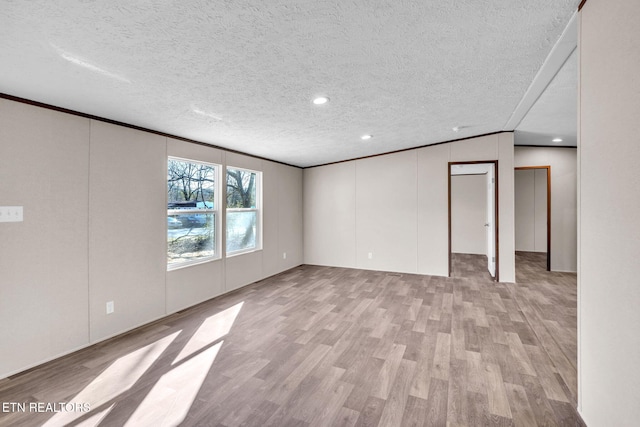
(490, 225)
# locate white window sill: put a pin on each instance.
(186, 264)
(237, 253)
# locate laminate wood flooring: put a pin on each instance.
(549, 303)
(322, 346)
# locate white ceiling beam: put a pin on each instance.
(561, 51)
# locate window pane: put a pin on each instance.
(241, 188)
(190, 237)
(241, 230)
(190, 185)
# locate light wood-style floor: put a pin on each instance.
(550, 304)
(323, 346)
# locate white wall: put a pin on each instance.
(43, 261)
(469, 214)
(94, 230)
(386, 221)
(127, 243)
(433, 234)
(330, 215)
(540, 210)
(395, 207)
(563, 162)
(531, 210)
(609, 200)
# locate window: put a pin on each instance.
(192, 210)
(243, 210)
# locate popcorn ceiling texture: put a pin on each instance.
(241, 74)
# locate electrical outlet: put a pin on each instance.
(284, 255)
(370, 255)
(110, 307)
(10, 213)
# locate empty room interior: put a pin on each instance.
(325, 213)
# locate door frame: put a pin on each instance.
(548, 168)
(495, 186)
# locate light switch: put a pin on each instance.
(10, 213)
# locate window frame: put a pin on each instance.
(214, 211)
(257, 210)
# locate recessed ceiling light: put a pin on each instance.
(557, 139)
(321, 100)
(456, 129)
(366, 137)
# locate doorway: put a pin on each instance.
(487, 171)
(533, 210)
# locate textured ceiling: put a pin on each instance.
(555, 113)
(241, 74)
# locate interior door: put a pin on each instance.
(490, 224)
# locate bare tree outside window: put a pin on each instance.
(190, 182)
(191, 213)
(242, 210)
(241, 189)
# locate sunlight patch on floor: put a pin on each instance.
(168, 403)
(116, 379)
(211, 330)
